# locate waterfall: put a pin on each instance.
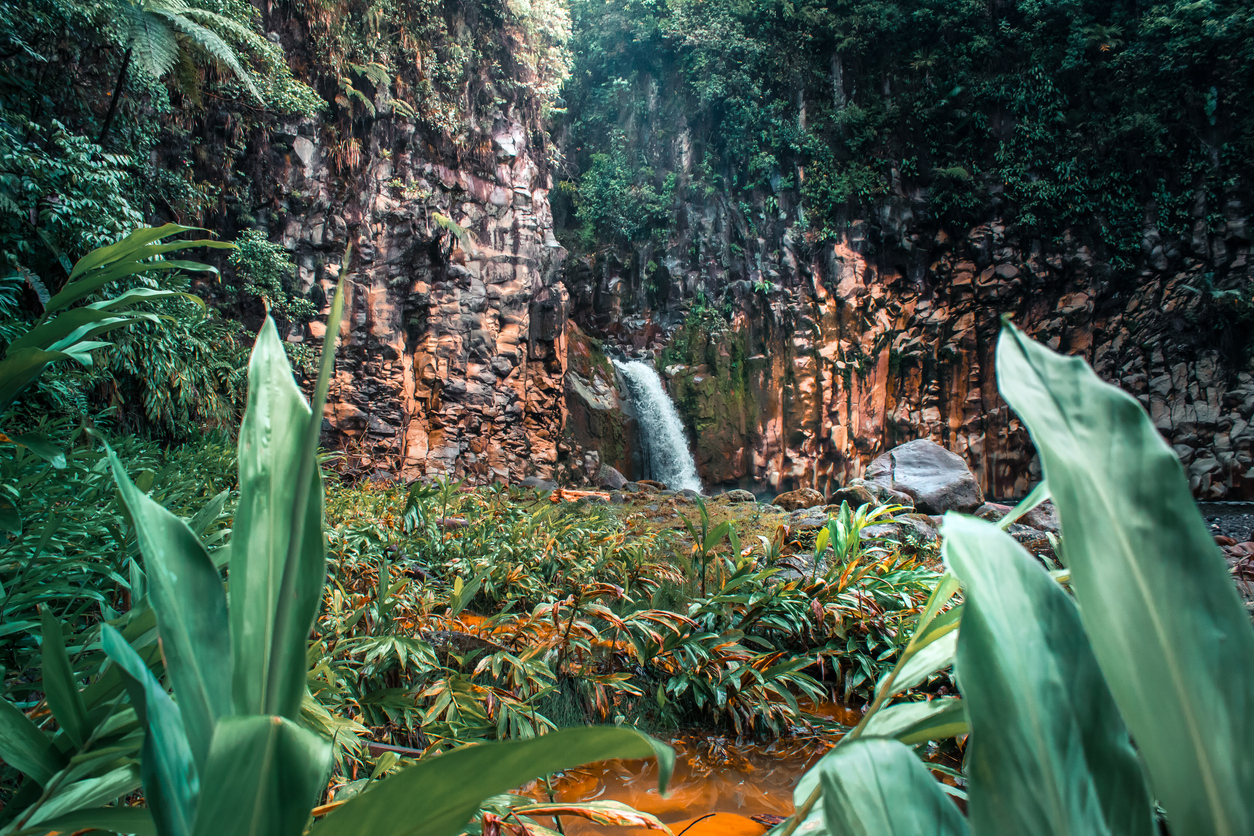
(665, 447)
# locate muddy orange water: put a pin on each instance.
(712, 776)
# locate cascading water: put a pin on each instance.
(665, 447)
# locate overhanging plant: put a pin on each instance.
(1155, 647)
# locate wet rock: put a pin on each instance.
(935, 478)
(922, 526)
(688, 494)
(855, 495)
(739, 495)
(992, 511)
(1043, 517)
(538, 484)
(651, 485)
(807, 519)
(798, 499)
(618, 497)
(609, 477)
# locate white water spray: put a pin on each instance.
(665, 447)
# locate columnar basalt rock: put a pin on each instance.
(453, 355)
(850, 348)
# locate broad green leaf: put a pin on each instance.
(24, 747)
(915, 722)
(716, 536)
(127, 247)
(190, 602)
(878, 787)
(270, 448)
(46, 336)
(438, 795)
(20, 368)
(208, 513)
(305, 564)
(171, 783)
(1048, 753)
(60, 687)
(1160, 609)
(134, 820)
(263, 776)
(926, 660)
(41, 446)
(90, 792)
(147, 294)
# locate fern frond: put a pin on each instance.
(152, 41)
(212, 43)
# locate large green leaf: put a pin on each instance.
(126, 248)
(190, 602)
(46, 335)
(1049, 753)
(88, 793)
(134, 820)
(19, 368)
(878, 787)
(270, 457)
(171, 782)
(60, 685)
(1164, 619)
(915, 722)
(438, 795)
(24, 747)
(263, 777)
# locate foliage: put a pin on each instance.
(65, 332)
(1051, 115)
(459, 615)
(75, 195)
(1055, 689)
(267, 272)
(230, 755)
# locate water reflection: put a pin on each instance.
(719, 787)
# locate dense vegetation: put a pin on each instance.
(1048, 114)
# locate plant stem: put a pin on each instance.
(117, 94)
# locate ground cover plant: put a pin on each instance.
(1090, 694)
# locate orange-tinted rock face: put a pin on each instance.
(453, 356)
(467, 358)
(853, 353)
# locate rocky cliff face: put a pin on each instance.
(452, 354)
(847, 349)
(474, 347)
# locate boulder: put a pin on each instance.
(608, 477)
(1043, 516)
(538, 483)
(650, 486)
(936, 479)
(992, 511)
(688, 494)
(798, 499)
(855, 495)
(739, 495)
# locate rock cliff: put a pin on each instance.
(474, 345)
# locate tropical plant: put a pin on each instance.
(843, 533)
(65, 332)
(707, 539)
(1155, 648)
(229, 754)
(162, 34)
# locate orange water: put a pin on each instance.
(712, 776)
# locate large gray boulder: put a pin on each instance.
(935, 478)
